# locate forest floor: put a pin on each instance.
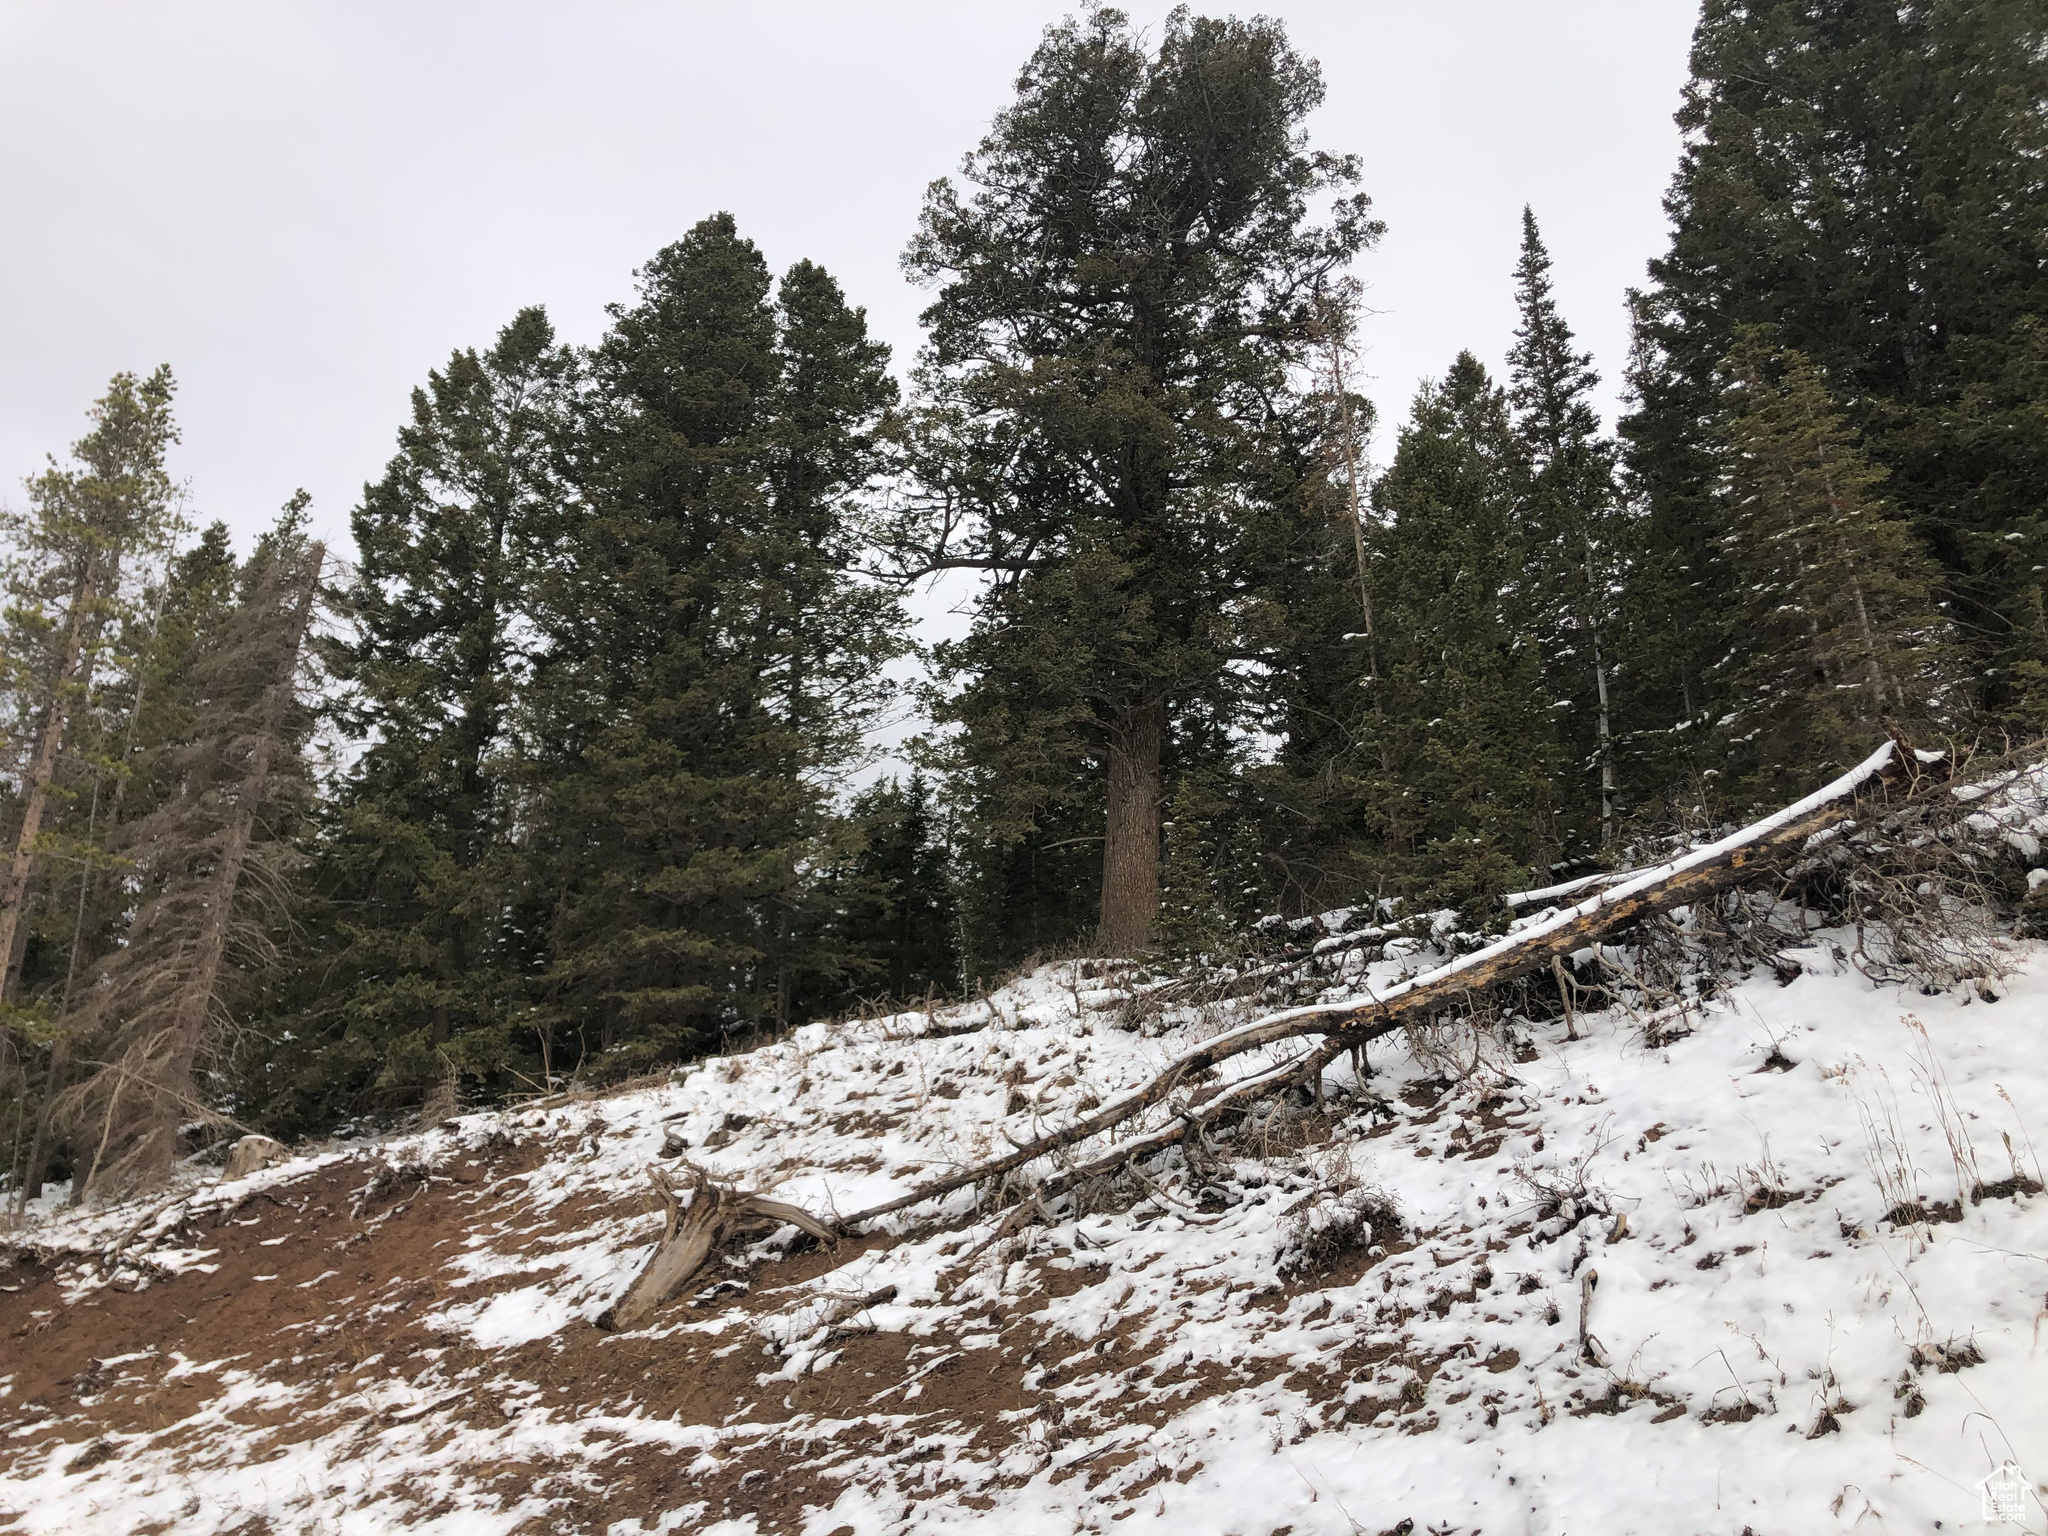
(1777, 1263)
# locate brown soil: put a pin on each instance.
(320, 1285)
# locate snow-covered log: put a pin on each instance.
(1696, 875)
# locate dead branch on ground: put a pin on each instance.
(1693, 877)
(693, 1233)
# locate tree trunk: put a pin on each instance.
(1880, 686)
(1605, 723)
(1606, 747)
(36, 783)
(39, 1142)
(1130, 846)
(1341, 388)
(692, 1233)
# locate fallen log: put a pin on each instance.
(1694, 876)
(715, 1213)
(1241, 1094)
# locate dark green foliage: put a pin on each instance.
(422, 945)
(1571, 536)
(1871, 179)
(81, 553)
(1455, 774)
(706, 654)
(1216, 880)
(119, 763)
(1836, 635)
(1114, 430)
(608, 655)
(887, 906)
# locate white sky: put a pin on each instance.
(303, 207)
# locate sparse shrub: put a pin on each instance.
(1345, 1217)
(1562, 1193)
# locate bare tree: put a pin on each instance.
(211, 878)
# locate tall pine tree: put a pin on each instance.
(1837, 633)
(71, 597)
(709, 654)
(1871, 178)
(425, 947)
(1126, 298)
(1570, 528)
(1456, 772)
(72, 583)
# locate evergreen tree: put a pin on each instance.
(709, 655)
(1837, 632)
(1872, 180)
(1570, 533)
(70, 599)
(154, 704)
(1313, 855)
(69, 590)
(889, 900)
(1114, 431)
(124, 763)
(1455, 774)
(424, 946)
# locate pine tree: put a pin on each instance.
(709, 653)
(1114, 429)
(1870, 179)
(124, 765)
(1570, 532)
(69, 592)
(212, 863)
(888, 901)
(1837, 633)
(1455, 774)
(424, 945)
(69, 589)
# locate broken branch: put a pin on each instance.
(692, 1233)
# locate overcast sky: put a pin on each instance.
(302, 207)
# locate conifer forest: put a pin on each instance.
(563, 771)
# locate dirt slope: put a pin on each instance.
(1334, 1321)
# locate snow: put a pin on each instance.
(512, 1317)
(1784, 1350)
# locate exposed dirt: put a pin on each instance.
(325, 1282)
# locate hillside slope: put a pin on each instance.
(1707, 1271)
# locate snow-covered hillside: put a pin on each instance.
(1776, 1263)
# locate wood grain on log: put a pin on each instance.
(692, 1233)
